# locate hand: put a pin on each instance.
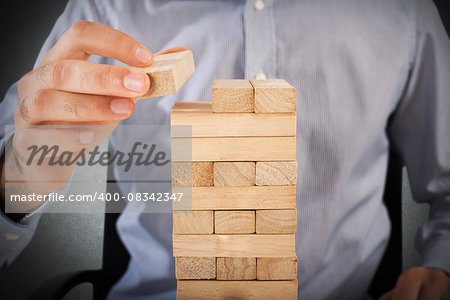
(66, 89)
(71, 97)
(421, 284)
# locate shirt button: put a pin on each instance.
(260, 76)
(259, 5)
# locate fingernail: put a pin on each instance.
(86, 137)
(120, 106)
(135, 82)
(143, 55)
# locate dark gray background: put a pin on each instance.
(25, 25)
(67, 242)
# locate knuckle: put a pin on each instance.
(78, 26)
(43, 73)
(38, 101)
(72, 34)
(74, 107)
(60, 73)
(105, 77)
(23, 112)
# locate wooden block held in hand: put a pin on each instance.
(274, 96)
(192, 174)
(236, 268)
(193, 222)
(234, 149)
(276, 221)
(242, 290)
(205, 123)
(234, 173)
(195, 267)
(234, 245)
(233, 198)
(276, 173)
(237, 221)
(169, 72)
(277, 268)
(232, 95)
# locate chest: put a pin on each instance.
(348, 63)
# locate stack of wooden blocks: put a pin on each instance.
(237, 238)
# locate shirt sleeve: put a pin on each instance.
(420, 131)
(14, 237)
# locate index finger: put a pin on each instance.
(85, 38)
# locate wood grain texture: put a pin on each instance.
(168, 73)
(274, 96)
(236, 198)
(236, 268)
(277, 268)
(276, 173)
(195, 267)
(193, 222)
(234, 173)
(205, 123)
(234, 245)
(234, 149)
(242, 290)
(276, 221)
(236, 221)
(232, 95)
(192, 174)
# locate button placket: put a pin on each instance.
(259, 5)
(260, 76)
(259, 39)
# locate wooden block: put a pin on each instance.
(195, 267)
(236, 268)
(242, 290)
(234, 173)
(168, 73)
(276, 221)
(236, 221)
(192, 174)
(274, 96)
(205, 123)
(277, 268)
(236, 198)
(232, 95)
(234, 245)
(276, 173)
(193, 222)
(234, 149)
